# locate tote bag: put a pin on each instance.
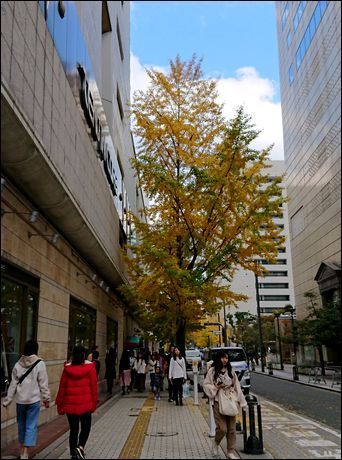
(227, 403)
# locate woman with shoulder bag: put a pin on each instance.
(29, 381)
(222, 378)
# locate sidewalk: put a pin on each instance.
(136, 426)
(287, 374)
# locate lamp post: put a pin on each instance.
(224, 326)
(261, 342)
(277, 314)
(289, 308)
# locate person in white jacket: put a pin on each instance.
(28, 393)
(222, 376)
(177, 375)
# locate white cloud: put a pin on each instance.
(247, 88)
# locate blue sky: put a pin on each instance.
(238, 43)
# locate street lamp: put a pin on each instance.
(277, 314)
(261, 342)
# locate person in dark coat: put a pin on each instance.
(77, 398)
(125, 372)
(110, 369)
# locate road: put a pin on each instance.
(321, 405)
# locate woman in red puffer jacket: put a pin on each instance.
(77, 398)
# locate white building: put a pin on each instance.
(275, 288)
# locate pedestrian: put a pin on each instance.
(125, 372)
(140, 368)
(162, 365)
(110, 374)
(77, 398)
(167, 367)
(222, 376)
(28, 385)
(154, 360)
(157, 383)
(132, 360)
(177, 374)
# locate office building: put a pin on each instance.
(67, 183)
(309, 41)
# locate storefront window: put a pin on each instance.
(82, 326)
(19, 308)
(112, 334)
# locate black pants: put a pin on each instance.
(170, 388)
(110, 382)
(178, 389)
(74, 423)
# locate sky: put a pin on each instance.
(238, 44)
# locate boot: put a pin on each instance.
(123, 391)
(181, 401)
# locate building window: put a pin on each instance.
(285, 15)
(274, 298)
(310, 32)
(273, 285)
(281, 250)
(276, 273)
(298, 14)
(82, 326)
(19, 312)
(118, 33)
(112, 334)
(277, 262)
(288, 39)
(291, 75)
(118, 99)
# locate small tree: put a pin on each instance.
(321, 327)
(211, 203)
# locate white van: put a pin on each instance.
(238, 360)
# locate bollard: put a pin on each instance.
(195, 371)
(270, 369)
(252, 443)
(295, 372)
(212, 424)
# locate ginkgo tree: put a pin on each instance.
(211, 204)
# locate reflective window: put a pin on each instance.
(273, 285)
(285, 15)
(273, 298)
(310, 32)
(288, 39)
(82, 326)
(291, 76)
(298, 14)
(19, 311)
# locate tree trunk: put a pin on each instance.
(321, 359)
(180, 335)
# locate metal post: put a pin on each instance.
(261, 342)
(225, 326)
(212, 425)
(195, 371)
(279, 342)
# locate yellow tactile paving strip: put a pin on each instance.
(135, 441)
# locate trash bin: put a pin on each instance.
(252, 444)
(270, 369)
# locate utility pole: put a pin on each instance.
(261, 342)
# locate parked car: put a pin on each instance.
(191, 355)
(238, 360)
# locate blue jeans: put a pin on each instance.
(27, 419)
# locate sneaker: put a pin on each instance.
(79, 453)
(215, 449)
(158, 399)
(170, 400)
(155, 398)
(232, 455)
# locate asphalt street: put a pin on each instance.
(319, 404)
